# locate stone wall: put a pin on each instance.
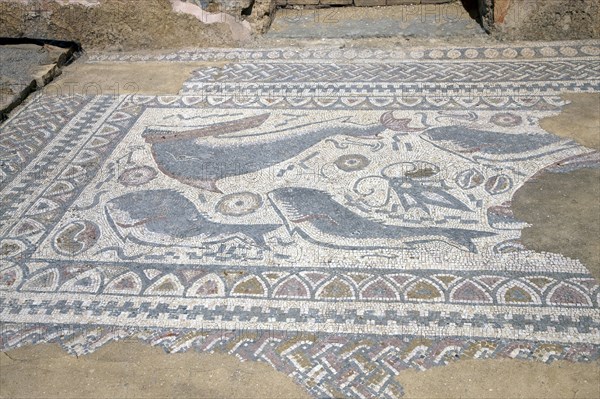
(135, 24)
(359, 3)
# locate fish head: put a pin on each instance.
(288, 195)
(139, 205)
(120, 211)
(124, 202)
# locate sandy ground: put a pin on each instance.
(579, 120)
(564, 209)
(119, 79)
(135, 370)
(494, 379)
(563, 222)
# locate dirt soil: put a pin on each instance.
(153, 78)
(563, 209)
(580, 119)
(135, 370)
(507, 379)
(554, 20)
(113, 25)
(127, 369)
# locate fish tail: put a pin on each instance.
(365, 131)
(464, 238)
(257, 232)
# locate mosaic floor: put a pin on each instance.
(339, 214)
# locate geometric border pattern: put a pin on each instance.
(491, 51)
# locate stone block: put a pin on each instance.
(336, 2)
(303, 2)
(402, 2)
(369, 3)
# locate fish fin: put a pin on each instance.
(208, 185)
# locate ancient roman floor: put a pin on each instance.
(340, 214)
